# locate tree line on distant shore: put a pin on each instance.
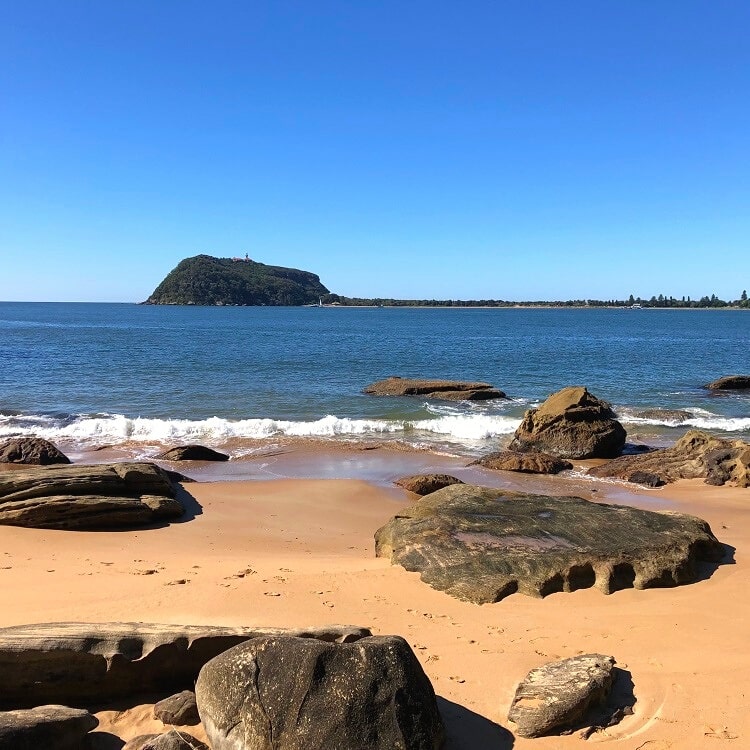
(661, 301)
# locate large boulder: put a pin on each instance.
(696, 455)
(45, 727)
(561, 694)
(729, 383)
(179, 709)
(571, 423)
(75, 662)
(445, 390)
(306, 695)
(532, 462)
(192, 453)
(31, 450)
(481, 544)
(87, 497)
(424, 484)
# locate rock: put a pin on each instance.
(571, 423)
(424, 484)
(481, 544)
(561, 694)
(172, 740)
(532, 462)
(73, 662)
(646, 478)
(306, 695)
(179, 709)
(87, 497)
(696, 455)
(45, 728)
(664, 415)
(446, 390)
(31, 450)
(192, 453)
(729, 383)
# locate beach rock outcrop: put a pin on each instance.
(531, 462)
(571, 423)
(31, 450)
(192, 453)
(74, 662)
(481, 544)
(446, 390)
(424, 484)
(696, 455)
(646, 479)
(87, 497)
(179, 709)
(172, 740)
(559, 695)
(48, 727)
(676, 416)
(296, 693)
(729, 383)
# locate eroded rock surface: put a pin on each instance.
(179, 709)
(665, 415)
(87, 497)
(31, 450)
(306, 695)
(532, 462)
(192, 453)
(571, 423)
(729, 383)
(172, 740)
(424, 484)
(481, 544)
(696, 455)
(45, 728)
(73, 662)
(561, 694)
(447, 390)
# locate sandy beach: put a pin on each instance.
(300, 552)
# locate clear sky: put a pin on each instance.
(515, 149)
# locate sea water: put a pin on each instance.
(101, 374)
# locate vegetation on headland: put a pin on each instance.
(205, 280)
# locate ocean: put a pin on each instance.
(243, 378)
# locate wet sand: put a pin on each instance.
(299, 552)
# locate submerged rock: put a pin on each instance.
(729, 383)
(571, 423)
(665, 415)
(481, 544)
(696, 455)
(73, 662)
(424, 484)
(45, 728)
(560, 694)
(31, 450)
(446, 390)
(192, 453)
(307, 695)
(87, 497)
(532, 462)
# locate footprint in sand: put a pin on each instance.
(178, 582)
(242, 574)
(145, 572)
(271, 593)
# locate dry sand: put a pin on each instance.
(300, 552)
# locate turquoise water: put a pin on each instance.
(93, 374)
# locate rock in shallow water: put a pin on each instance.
(301, 694)
(531, 462)
(45, 728)
(730, 383)
(481, 545)
(192, 453)
(445, 390)
(424, 484)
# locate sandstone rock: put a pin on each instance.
(87, 497)
(75, 662)
(424, 484)
(192, 453)
(446, 390)
(31, 450)
(696, 455)
(45, 728)
(646, 478)
(664, 415)
(560, 694)
(306, 695)
(179, 709)
(730, 383)
(571, 423)
(532, 462)
(172, 740)
(481, 544)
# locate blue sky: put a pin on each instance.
(515, 150)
